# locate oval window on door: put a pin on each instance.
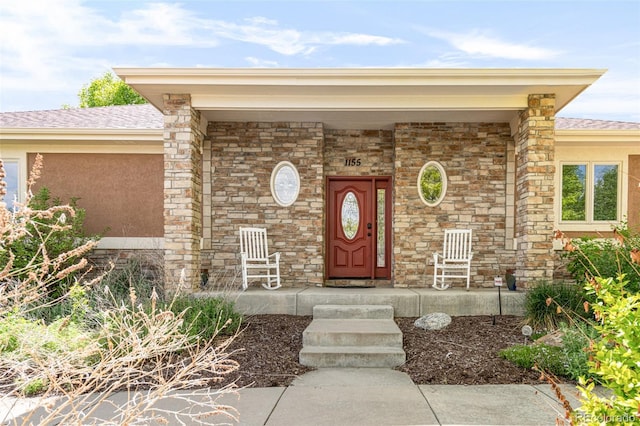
(350, 215)
(432, 183)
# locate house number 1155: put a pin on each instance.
(352, 162)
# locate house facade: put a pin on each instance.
(355, 173)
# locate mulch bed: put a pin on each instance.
(464, 353)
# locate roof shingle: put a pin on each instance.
(563, 123)
(112, 117)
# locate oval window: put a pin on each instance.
(350, 216)
(432, 183)
(285, 183)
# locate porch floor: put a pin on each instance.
(407, 302)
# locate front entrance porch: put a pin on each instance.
(406, 302)
(227, 131)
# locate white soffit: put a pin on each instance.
(359, 98)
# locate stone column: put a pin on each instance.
(182, 192)
(535, 175)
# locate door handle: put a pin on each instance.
(368, 226)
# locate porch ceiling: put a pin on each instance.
(365, 98)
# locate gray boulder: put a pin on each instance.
(434, 321)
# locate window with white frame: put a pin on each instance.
(11, 179)
(590, 192)
(285, 183)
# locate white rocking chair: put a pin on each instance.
(256, 260)
(455, 262)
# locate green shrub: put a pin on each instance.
(60, 336)
(575, 345)
(571, 360)
(591, 257)
(28, 247)
(206, 316)
(51, 233)
(616, 355)
(85, 306)
(549, 304)
(543, 356)
(136, 274)
(33, 387)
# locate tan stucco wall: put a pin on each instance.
(121, 193)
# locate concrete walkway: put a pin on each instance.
(371, 396)
(389, 397)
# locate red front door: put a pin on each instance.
(355, 230)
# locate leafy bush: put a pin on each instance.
(616, 355)
(23, 340)
(58, 241)
(615, 351)
(206, 316)
(550, 304)
(575, 345)
(22, 337)
(53, 240)
(570, 360)
(29, 284)
(591, 257)
(528, 356)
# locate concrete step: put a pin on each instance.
(352, 356)
(352, 332)
(352, 336)
(353, 312)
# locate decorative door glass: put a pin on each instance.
(381, 227)
(350, 215)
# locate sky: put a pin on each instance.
(50, 49)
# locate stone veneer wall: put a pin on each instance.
(243, 156)
(150, 262)
(535, 173)
(474, 158)
(374, 149)
(182, 192)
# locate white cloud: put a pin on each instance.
(161, 24)
(53, 45)
(266, 33)
(477, 43)
(287, 41)
(613, 95)
(258, 20)
(35, 37)
(357, 39)
(447, 60)
(261, 63)
(43, 36)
